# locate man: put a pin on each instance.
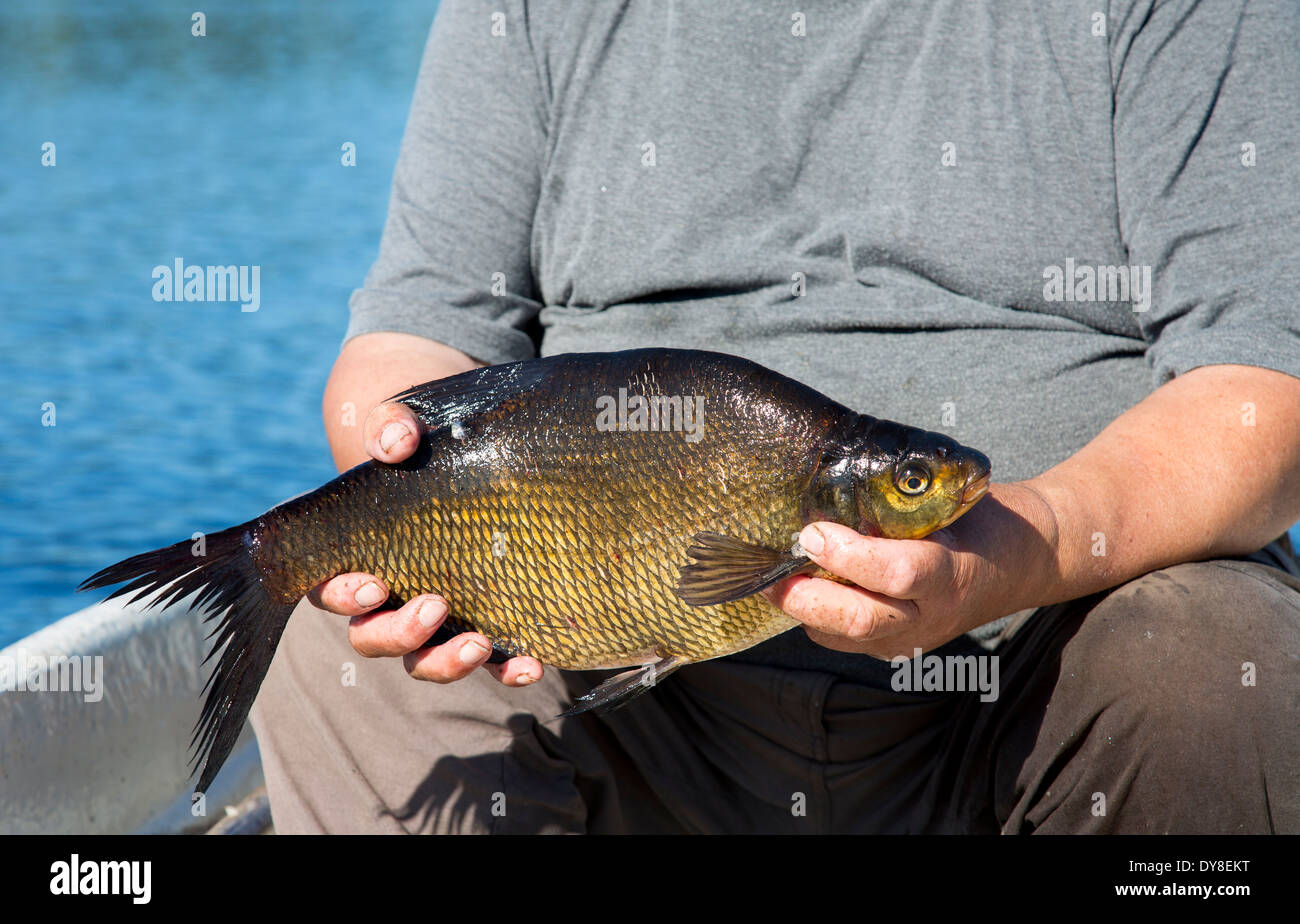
(1063, 237)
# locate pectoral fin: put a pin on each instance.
(624, 687)
(727, 569)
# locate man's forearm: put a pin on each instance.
(370, 369)
(1206, 466)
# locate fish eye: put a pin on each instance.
(913, 479)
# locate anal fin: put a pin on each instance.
(625, 687)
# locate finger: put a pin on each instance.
(449, 661)
(349, 594)
(390, 633)
(841, 617)
(517, 672)
(392, 432)
(900, 568)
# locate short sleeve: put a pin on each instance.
(454, 262)
(1207, 130)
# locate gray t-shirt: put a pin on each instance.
(926, 210)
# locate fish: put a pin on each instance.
(591, 510)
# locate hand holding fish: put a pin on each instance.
(921, 593)
(1084, 526)
(392, 433)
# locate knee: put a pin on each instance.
(1205, 645)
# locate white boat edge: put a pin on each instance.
(107, 752)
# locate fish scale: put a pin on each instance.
(563, 538)
(622, 609)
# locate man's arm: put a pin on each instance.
(1207, 466)
(370, 369)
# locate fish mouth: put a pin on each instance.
(974, 490)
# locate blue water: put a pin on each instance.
(172, 417)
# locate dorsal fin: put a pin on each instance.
(459, 397)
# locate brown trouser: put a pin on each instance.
(1171, 704)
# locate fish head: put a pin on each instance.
(912, 482)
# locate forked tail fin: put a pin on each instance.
(249, 622)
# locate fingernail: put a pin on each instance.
(430, 612)
(368, 594)
(472, 652)
(812, 540)
(392, 435)
(525, 678)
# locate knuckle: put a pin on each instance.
(901, 575)
(333, 596)
(406, 635)
(423, 667)
(446, 675)
(362, 645)
(794, 599)
(836, 548)
(861, 622)
(401, 634)
(371, 635)
(416, 666)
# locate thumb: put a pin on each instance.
(392, 432)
